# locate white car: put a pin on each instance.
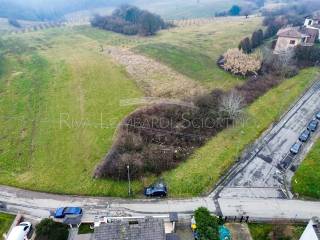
(20, 232)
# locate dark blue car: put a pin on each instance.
(63, 212)
(156, 190)
(304, 136)
(313, 125)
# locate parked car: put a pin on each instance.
(295, 149)
(20, 232)
(156, 190)
(318, 115)
(304, 136)
(313, 125)
(64, 211)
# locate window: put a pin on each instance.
(292, 42)
(310, 22)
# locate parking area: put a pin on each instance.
(266, 170)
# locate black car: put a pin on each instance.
(156, 190)
(313, 125)
(318, 115)
(304, 136)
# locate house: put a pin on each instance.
(290, 37)
(312, 231)
(313, 22)
(148, 228)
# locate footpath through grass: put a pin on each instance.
(5, 222)
(204, 168)
(307, 178)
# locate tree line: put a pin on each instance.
(130, 20)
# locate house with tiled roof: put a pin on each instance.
(134, 229)
(290, 37)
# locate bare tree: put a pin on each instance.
(231, 104)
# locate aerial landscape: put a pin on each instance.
(140, 120)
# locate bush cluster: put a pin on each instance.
(307, 55)
(47, 229)
(157, 138)
(207, 225)
(130, 20)
(237, 62)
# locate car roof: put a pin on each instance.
(297, 144)
(17, 233)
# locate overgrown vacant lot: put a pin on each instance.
(307, 178)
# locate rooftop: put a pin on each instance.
(291, 32)
(133, 229)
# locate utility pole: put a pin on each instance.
(129, 182)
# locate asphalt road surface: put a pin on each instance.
(38, 205)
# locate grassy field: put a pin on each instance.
(61, 102)
(306, 180)
(5, 222)
(194, 50)
(60, 105)
(263, 231)
(191, 50)
(204, 168)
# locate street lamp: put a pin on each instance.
(129, 182)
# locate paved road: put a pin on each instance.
(38, 205)
(259, 174)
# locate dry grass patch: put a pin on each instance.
(155, 78)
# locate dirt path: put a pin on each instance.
(156, 79)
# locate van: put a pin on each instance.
(20, 232)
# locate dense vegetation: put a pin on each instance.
(130, 20)
(207, 225)
(47, 229)
(278, 231)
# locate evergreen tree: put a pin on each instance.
(245, 45)
(235, 10)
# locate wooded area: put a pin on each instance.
(130, 20)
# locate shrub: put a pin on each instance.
(237, 62)
(207, 225)
(256, 86)
(47, 229)
(283, 65)
(307, 56)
